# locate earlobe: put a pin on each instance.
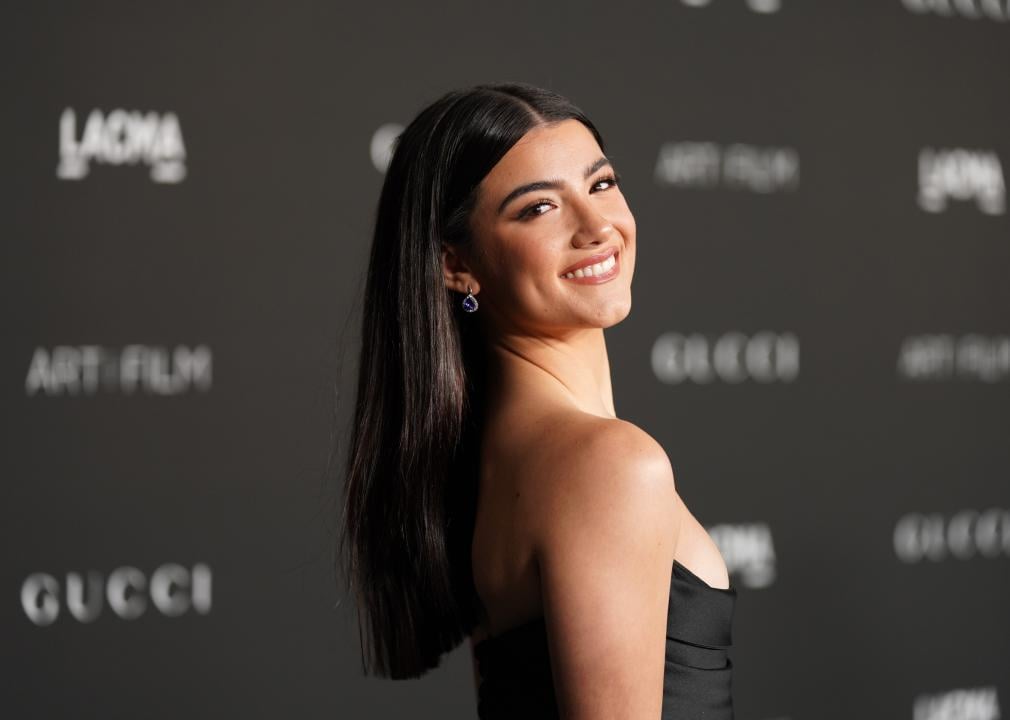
(456, 273)
(462, 283)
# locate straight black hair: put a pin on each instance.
(411, 467)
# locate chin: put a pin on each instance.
(615, 313)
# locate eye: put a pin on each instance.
(531, 210)
(611, 181)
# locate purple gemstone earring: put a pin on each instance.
(469, 302)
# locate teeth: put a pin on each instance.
(598, 269)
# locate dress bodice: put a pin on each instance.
(515, 665)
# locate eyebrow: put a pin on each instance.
(550, 184)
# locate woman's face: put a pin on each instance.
(550, 205)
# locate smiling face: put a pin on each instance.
(553, 238)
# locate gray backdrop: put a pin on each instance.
(820, 335)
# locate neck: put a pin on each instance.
(572, 367)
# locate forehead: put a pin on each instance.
(559, 150)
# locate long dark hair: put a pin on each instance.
(411, 467)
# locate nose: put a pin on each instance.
(592, 229)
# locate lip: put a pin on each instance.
(591, 260)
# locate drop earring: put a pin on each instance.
(469, 302)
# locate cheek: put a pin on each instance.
(528, 255)
(532, 278)
(625, 222)
(534, 265)
(626, 226)
(620, 216)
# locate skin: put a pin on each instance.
(578, 518)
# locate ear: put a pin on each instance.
(456, 271)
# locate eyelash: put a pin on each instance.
(614, 180)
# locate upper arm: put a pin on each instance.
(605, 554)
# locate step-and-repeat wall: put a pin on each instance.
(820, 335)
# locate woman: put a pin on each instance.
(492, 492)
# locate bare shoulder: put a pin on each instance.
(593, 468)
(608, 521)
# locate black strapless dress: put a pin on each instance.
(515, 666)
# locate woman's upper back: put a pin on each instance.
(528, 474)
(578, 522)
